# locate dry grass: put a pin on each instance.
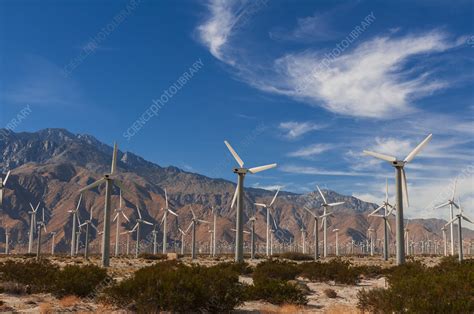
(283, 309)
(69, 300)
(45, 308)
(342, 309)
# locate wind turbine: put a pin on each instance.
(128, 233)
(109, 179)
(74, 215)
(7, 243)
(445, 244)
(88, 223)
(326, 207)
(41, 226)
(2, 186)
(386, 226)
(32, 226)
(78, 234)
(337, 240)
(268, 218)
(164, 221)
(154, 233)
(183, 234)
(316, 230)
(459, 217)
(194, 222)
(402, 190)
(239, 195)
(214, 225)
(252, 221)
(119, 212)
(451, 204)
(407, 249)
(139, 221)
(53, 242)
(371, 237)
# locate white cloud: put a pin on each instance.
(295, 129)
(316, 171)
(267, 187)
(311, 150)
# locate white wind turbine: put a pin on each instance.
(183, 234)
(214, 226)
(326, 207)
(445, 244)
(41, 225)
(316, 230)
(2, 186)
(119, 213)
(402, 190)
(32, 213)
(194, 222)
(252, 221)
(154, 233)
(7, 241)
(267, 208)
(139, 221)
(239, 196)
(74, 213)
(109, 179)
(53, 241)
(459, 217)
(164, 221)
(87, 223)
(337, 240)
(451, 203)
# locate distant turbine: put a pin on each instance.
(74, 213)
(194, 222)
(214, 226)
(451, 203)
(7, 241)
(267, 207)
(41, 227)
(139, 221)
(154, 233)
(88, 223)
(316, 231)
(459, 217)
(2, 186)
(326, 207)
(183, 234)
(401, 184)
(109, 179)
(164, 221)
(239, 195)
(32, 226)
(53, 241)
(337, 240)
(119, 212)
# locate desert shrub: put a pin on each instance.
(277, 292)
(153, 257)
(414, 288)
(38, 275)
(295, 256)
(336, 270)
(14, 288)
(367, 271)
(275, 269)
(79, 280)
(330, 293)
(171, 286)
(241, 268)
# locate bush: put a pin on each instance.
(275, 269)
(336, 270)
(79, 280)
(277, 292)
(38, 275)
(153, 257)
(414, 288)
(241, 268)
(171, 286)
(330, 293)
(294, 256)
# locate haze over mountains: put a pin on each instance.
(51, 165)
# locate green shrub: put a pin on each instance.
(79, 280)
(336, 270)
(153, 257)
(277, 292)
(242, 268)
(295, 256)
(38, 275)
(171, 286)
(275, 269)
(414, 288)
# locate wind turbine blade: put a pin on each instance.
(32, 208)
(120, 199)
(321, 193)
(135, 227)
(172, 212)
(456, 205)
(90, 217)
(405, 187)
(92, 185)
(79, 203)
(94, 226)
(139, 213)
(119, 183)
(42, 214)
(380, 156)
(450, 222)
(192, 212)
(147, 222)
(44, 228)
(166, 199)
(335, 204)
(236, 157)
(442, 205)
(116, 216)
(235, 196)
(83, 224)
(262, 168)
(274, 198)
(162, 220)
(379, 208)
(388, 226)
(6, 178)
(181, 231)
(374, 215)
(203, 221)
(1, 196)
(187, 229)
(454, 188)
(260, 205)
(312, 214)
(386, 190)
(274, 223)
(114, 159)
(467, 219)
(125, 216)
(418, 148)
(37, 206)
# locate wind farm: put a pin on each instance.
(236, 162)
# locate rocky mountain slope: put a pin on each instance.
(51, 165)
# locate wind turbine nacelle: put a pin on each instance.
(398, 163)
(240, 170)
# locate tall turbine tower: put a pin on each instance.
(2, 186)
(316, 231)
(451, 204)
(119, 212)
(32, 213)
(88, 223)
(74, 213)
(402, 190)
(267, 207)
(109, 179)
(239, 195)
(41, 226)
(139, 221)
(194, 222)
(326, 207)
(164, 221)
(459, 217)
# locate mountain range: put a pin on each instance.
(51, 165)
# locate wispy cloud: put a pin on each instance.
(294, 129)
(316, 171)
(311, 150)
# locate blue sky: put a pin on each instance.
(306, 84)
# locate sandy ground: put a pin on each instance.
(121, 268)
